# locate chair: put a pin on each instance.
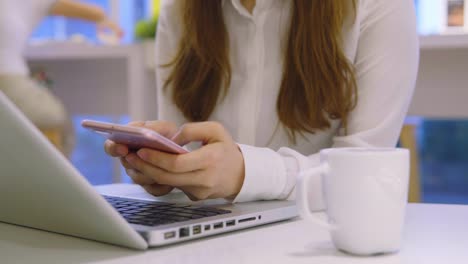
(55, 136)
(408, 140)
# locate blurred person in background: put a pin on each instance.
(18, 20)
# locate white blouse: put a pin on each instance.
(381, 43)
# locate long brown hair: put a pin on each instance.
(318, 81)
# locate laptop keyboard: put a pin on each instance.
(150, 213)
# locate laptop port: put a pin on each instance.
(247, 219)
(207, 227)
(231, 223)
(196, 229)
(184, 232)
(218, 225)
(169, 235)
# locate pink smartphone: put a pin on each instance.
(134, 137)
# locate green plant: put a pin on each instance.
(146, 29)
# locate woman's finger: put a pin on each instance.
(162, 176)
(206, 132)
(165, 128)
(190, 196)
(115, 150)
(125, 164)
(180, 163)
(158, 189)
(139, 178)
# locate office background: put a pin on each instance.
(442, 141)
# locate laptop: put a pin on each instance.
(40, 188)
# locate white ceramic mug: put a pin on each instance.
(365, 193)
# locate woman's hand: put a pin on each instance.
(88, 12)
(164, 128)
(216, 170)
(107, 25)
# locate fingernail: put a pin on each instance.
(121, 150)
(130, 158)
(142, 154)
(131, 172)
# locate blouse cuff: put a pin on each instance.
(265, 174)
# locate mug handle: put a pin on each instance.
(301, 197)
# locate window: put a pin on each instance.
(428, 17)
(89, 157)
(443, 153)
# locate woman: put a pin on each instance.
(17, 21)
(278, 80)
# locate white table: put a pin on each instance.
(434, 234)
